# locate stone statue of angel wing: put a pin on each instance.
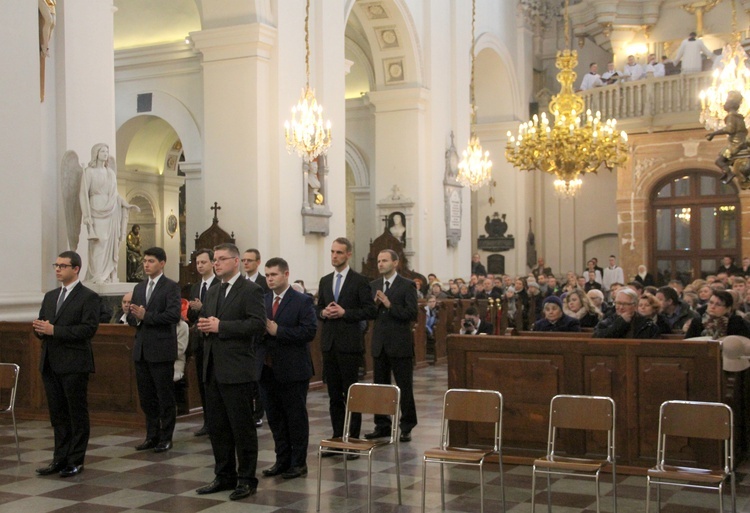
(71, 172)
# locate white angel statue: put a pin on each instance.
(90, 196)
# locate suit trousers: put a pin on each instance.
(341, 370)
(403, 372)
(156, 393)
(234, 439)
(67, 400)
(286, 410)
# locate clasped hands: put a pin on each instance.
(333, 311)
(208, 325)
(43, 327)
(381, 298)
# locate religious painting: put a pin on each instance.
(171, 225)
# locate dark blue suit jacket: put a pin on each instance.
(156, 334)
(290, 348)
(69, 350)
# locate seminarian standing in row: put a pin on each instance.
(393, 343)
(68, 320)
(344, 306)
(204, 264)
(285, 370)
(155, 312)
(251, 266)
(233, 319)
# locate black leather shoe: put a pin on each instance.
(163, 446)
(52, 468)
(71, 470)
(258, 423)
(295, 472)
(350, 457)
(242, 491)
(148, 443)
(217, 485)
(405, 437)
(378, 433)
(276, 470)
(202, 431)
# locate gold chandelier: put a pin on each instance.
(573, 144)
(306, 136)
(475, 168)
(732, 75)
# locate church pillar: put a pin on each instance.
(170, 199)
(237, 143)
(401, 142)
(194, 199)
(361, 216)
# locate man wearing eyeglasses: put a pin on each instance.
(627, 322)
(233, 320)
(251, 264)
(68, 319)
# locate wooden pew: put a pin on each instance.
(638, 374)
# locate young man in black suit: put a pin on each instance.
(344, 305)
(68, 319)
(285, 369)
(155, 312)
(392, 341)
(204, 264)
(233, 319)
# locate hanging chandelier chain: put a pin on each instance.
(471, 82)
(307, 44)
(735, 34)
(567, 25)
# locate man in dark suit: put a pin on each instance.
(233, 319)
(205, 266)
(392, 341)
(121, 317)
(285, 369)
(155, 312)
(68, 319)
(344, 305)
(251, 264)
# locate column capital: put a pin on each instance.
(192, 170)
(238, 41)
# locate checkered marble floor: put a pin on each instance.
(117, 478)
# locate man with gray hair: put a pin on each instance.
(627, 322)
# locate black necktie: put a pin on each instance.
(387, 285)
(222, 294)
(203, 292)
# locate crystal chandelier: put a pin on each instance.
(475, 168)
(573, 144)
(732, 75)
(306, 134)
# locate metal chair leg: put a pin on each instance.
(442, 485)
(721, 497)
(424, 482)
(549, 493)
(320, 465)
(369, 481)
(481, 487)
(533, 487)
(398, 472)
(502, 484)
(648, 493)
(614, 489)
(598, 505)
(15, 434)
(734, 495)
(346, 473)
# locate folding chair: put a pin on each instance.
(590, 413)
(8, 386)
(690, 419)
(462, 405)
(373, 399)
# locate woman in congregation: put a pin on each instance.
(554, 317)
(579, 306)
(649, 306)
(719, 320)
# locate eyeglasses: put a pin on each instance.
(222, 259)
(61, 266)
(617, 303)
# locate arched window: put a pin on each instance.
(695, 220)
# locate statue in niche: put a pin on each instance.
(313, 181)
(135, 255)
(90, 197)
(397, 226)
